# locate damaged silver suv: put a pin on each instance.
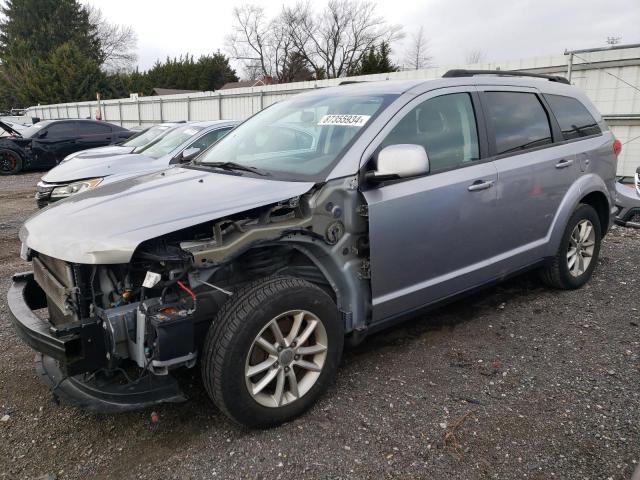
(319, 220)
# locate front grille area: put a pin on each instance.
(57, 279)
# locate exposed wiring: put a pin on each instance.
(226, 292)
(187, 290)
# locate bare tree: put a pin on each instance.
(264, 46)
(475, 56)
(417, 56)
(334, 41)
(330, 43)
(118, 42)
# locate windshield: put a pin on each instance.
(145, 137)
(300, 138)
(171, 141)
(33, 129)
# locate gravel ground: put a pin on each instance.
(515, 382)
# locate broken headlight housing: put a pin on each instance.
(75, 187)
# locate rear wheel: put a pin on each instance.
(272, 350)
(10, 162)
(578, 253)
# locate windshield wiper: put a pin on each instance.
(235, 166)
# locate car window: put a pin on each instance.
(574, 119)
(209, 139)
(145, 137)
(171, 141)
(299, 138)
(61, 130)
(90, 128)
(519, 121)
(445, 126)
(35, 129)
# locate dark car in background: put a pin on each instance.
(140, 140)
(45, 144)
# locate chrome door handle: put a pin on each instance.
(564, 163)
(480, 185)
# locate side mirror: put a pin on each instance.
(189, 154)
(399, 161)
(43, 134)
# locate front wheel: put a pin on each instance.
(272, 351)
(10, 162)
(578, 253)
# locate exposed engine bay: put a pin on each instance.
(151, 315)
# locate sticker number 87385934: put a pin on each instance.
(344, 120)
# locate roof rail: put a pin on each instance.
(504, 73)
(349, 82)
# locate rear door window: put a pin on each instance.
(61, 130)
(90, 128)
(573, 117)
(519, 121)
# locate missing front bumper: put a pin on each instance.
(101, 394)
(64, 356)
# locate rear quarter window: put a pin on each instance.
(573, 117)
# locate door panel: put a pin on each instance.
(428, 235)
(430, 238)
(531, 184)
(530, 189)
(55, 142)
(93, 135)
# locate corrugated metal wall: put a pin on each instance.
(618, 99)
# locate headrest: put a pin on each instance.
(431, 120)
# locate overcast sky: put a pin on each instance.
(507, 29)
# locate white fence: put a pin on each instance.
(610, 78)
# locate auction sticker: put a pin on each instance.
(344, 120)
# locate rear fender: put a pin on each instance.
(585, 185)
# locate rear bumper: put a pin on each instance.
(628, 217)
(78, 348)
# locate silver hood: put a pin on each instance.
(101, 152)
(106, 225)
(79, 168)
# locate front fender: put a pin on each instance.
(582, 187)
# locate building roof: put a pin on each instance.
(170, 91)
(246, 83)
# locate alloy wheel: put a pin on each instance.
(286, 358)
(581, 247)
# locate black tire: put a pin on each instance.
(10, 162)
(232, 334)
(556, 273)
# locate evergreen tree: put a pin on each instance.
(34, 33)
(376, 60)
(35, 28)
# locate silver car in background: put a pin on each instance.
(134, 144)
(319, 220)
(628, 201)
(180, 143)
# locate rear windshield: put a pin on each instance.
(34, 129)
(574, 119)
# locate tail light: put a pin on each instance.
(617, 147)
